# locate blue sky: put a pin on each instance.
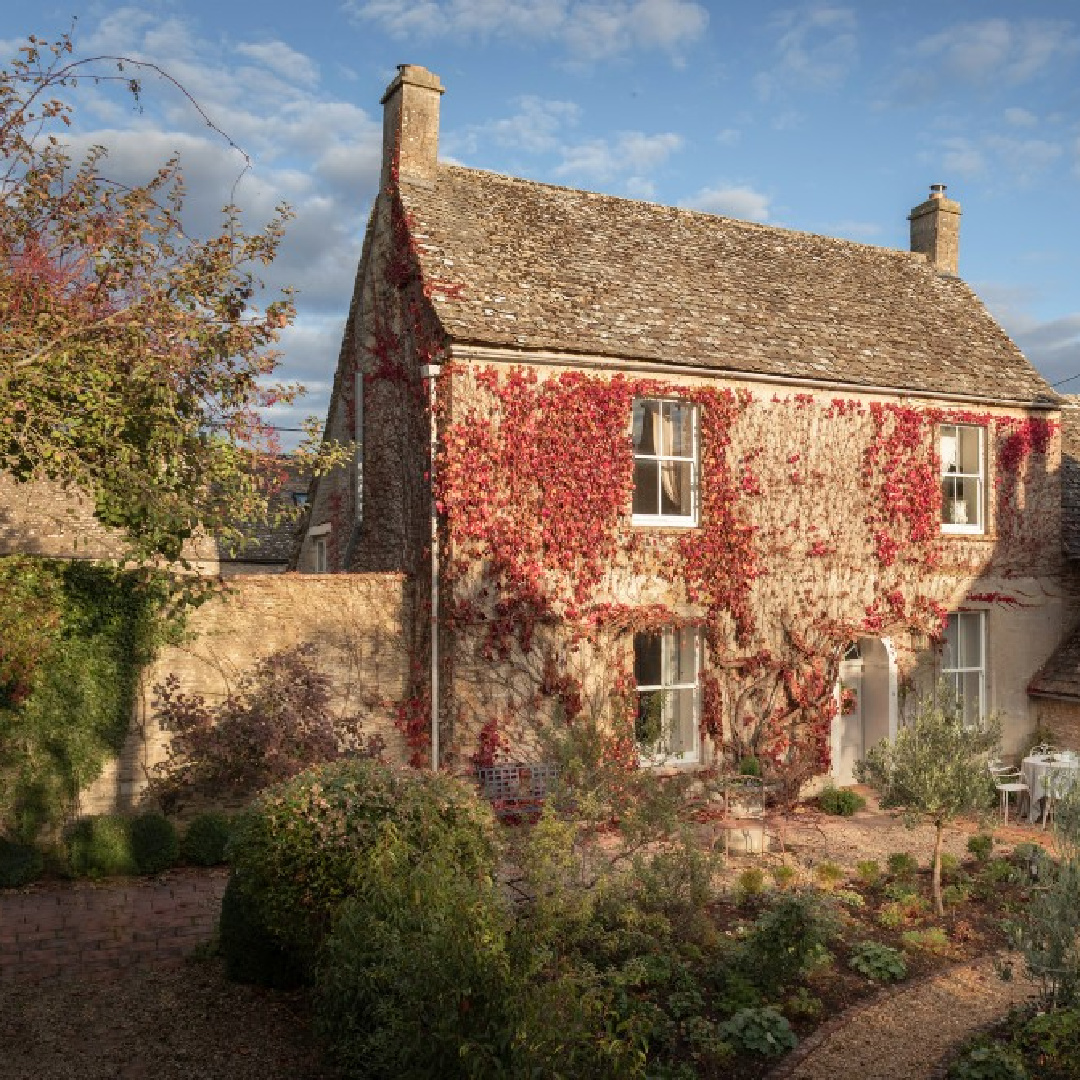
(830, 118)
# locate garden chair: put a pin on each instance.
(517, 791)
(1059, 780)
(1008, 783)
(744, 812)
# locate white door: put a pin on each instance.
(848, 746)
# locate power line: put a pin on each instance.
(1062, 382)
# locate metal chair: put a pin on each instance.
(1009, 783)
(1059, 779)
(744, 812)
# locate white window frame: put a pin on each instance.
(952, 675)
(677, 520)
(693, 755)
(320, 554)
(971, 528)
(318, 535)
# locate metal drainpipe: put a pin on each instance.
(431, 373)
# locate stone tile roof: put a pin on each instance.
(543, 267)
(1060, 675)
(1070, 475)
(271, 542)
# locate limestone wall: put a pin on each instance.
(355, 622)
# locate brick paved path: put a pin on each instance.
(99, 929)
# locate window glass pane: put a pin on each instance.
(949, 653)
(647, 655)
(949, 451)
(677, 429)
(646, 487)
(970, 459)
(960, 500)
(680, 720)
(680, 657)
(676, 496)
(970, 641)
(649, 724)
(646, 422)
(970, 684)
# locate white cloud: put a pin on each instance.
(989, 52)
(319, 154)
(638, 187)
(631, 152)
(588, 29)
(961, 157)
(733, 200)
(729, 137)
(1017, 117)
(537, 127)
(816, 48)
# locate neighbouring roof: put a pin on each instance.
(544, 267)
(272, 541)
(1070, 475)
(1060, 675)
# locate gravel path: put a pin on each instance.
(908, 1032)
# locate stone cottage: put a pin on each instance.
(714, 487)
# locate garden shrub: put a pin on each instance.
(206, 839)
(749, 884)
(784, 876)
(251, 953)
(933, 940)
(988, 1063)
(878, 962)
(19, 863)
(869, 872)
(750, 766)
(155, 845)
(980, 845)
(902, 864)
(300, 849)
(763, 1031)
(786, 939)
(416, 978)
(841, 801)
(956, 894)
(829, 874)
(100, 846)
(1052, 1040)
(278, 720)
(950, 864)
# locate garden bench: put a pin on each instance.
(518, 791)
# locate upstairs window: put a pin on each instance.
(666, 674)
(963, 478)
(963, 663)
(665, 462)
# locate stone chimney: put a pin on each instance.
(411, 125)
(935, 231)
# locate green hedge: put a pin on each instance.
(301, 848)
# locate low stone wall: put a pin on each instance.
(355, 622)
(98, 931)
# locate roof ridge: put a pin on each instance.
(687, 210)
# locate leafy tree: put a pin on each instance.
(133, 356)
(935, 770)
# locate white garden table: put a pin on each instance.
(1036, 771)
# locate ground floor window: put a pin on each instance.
(963, 662)
(666, 667)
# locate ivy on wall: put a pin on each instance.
(76, 636)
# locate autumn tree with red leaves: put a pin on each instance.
(133, 356)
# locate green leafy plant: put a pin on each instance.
(787, 939)
(763, 1031)
(749, 884)
(750, 766)
(829, 874)
(933, 939)
(878, 962)
(902, 864)
(988, 1063)
(301, 848)
(155, 845)
(841, 801)
(957, 893)
(100, 846)
(1052, 1040)
(980, 846)
(206, 839)
(869, 872)
(19, 863)
(784, 875)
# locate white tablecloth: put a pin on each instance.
(1035, 772)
